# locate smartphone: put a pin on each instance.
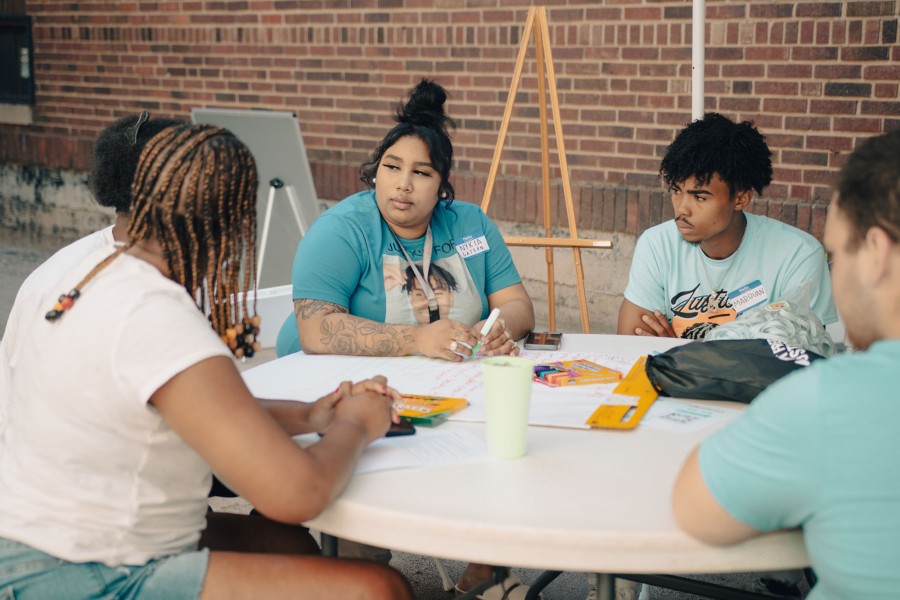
(404, 427)
(542, 340)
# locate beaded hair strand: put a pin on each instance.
(195, 193)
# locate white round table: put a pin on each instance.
(581, 500)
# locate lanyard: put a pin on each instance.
(422, 276)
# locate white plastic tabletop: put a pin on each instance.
(581, 500)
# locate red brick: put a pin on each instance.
(830, 143)
(880, 108)
(777, 88)
(804, 213)
(818, 9)
(814, 53)
(804, 158)
(886, 90)
(833, 107)
(857, 124)
(871, 8)
(341, 64)
(817, 222)
(785, 105)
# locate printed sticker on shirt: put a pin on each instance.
(749, 296)
(472, 245)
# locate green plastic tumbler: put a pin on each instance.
(507, 384)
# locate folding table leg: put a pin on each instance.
(604, 584)
(538, 585)
(329, 545)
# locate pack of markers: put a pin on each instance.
(574, 372)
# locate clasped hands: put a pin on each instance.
(455, 341)
(367, 404)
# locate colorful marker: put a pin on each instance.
(492, 318)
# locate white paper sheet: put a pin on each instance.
(686, 417)
(427, 448)
(302, 377)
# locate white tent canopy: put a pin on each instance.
(698, 58)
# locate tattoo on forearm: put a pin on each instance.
(362, 337)
(352, 335)
(307, 309)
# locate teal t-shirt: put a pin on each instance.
(674, 277)
(350, 257)
(819, 450)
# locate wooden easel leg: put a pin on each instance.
(563, 165)
(507, 112)
(582, 298)
(545, 168)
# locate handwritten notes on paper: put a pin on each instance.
(686, 417)
(307, 377)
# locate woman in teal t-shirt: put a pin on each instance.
(400, 269)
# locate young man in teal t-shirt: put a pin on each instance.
(714, 261)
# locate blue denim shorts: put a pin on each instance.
(29, 574)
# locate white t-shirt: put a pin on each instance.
(29, 296)
(89, 471)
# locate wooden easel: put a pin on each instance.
(537, 21)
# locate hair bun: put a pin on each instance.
(425, 107)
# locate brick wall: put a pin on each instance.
(815, 76)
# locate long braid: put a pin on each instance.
(139, 211)
(195, 193)
(217, 181)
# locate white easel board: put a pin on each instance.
(276, 143)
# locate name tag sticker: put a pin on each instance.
(472, 245)
(749, 296)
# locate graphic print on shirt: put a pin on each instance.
(406, 302)
(693, 314)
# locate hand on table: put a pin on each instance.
(450, 340)
(327, 409)
(657, 326)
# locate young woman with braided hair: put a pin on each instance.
(125, 399)
(113, 163)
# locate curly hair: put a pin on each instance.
(115, 157)
(737, 152)
(422, 116)
(869, 188)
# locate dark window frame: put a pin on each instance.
(16, 60)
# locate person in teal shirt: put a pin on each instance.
(715, 260)
(401, 268)
(819, 449)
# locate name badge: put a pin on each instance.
(472, 245)
(749, 296)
